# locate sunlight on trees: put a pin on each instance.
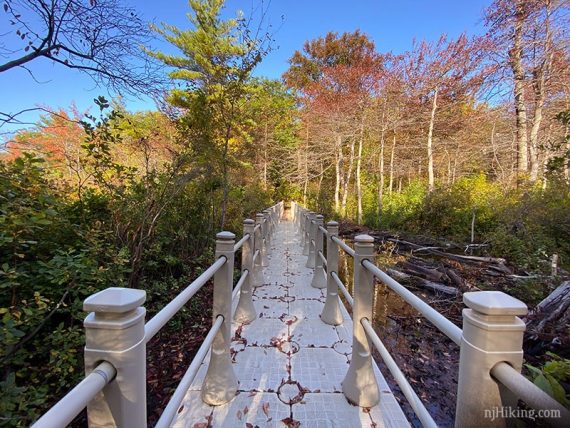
(465, 139)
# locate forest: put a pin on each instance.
(460, 140)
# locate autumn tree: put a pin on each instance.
(531, 46)
(447, 71)
(336, 76)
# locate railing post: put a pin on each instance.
(114, 332)
(319, 278)
(245, 312)
(312, 240)
(331, 312)
(359, 384)
(220, 384)
(307, 232)
(265, 228)
(258, 245)
(268, 226)
(492, 333)
(302, 214)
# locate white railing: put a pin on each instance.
(490, 342)
(114, 389)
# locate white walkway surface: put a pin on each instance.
(289, 363)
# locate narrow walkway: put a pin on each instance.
(289, 363)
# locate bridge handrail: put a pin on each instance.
(66, 409)
(116, 331)
(240, 243)
(174, 404)
(343, 245)
(437, 319)
(343, 289)
(556, 414)
(413, 399)
(156, 323)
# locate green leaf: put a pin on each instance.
(544, 384)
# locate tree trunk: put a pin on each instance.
(515, 57)
(391, 185)
(225, 175)
(338, 172)
(265, 158)
(347, 181)
(540, 74)
(381, 173)
(306, 168)
(319, 186)
(431, 180)
(358, 183)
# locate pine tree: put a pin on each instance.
(212, 77)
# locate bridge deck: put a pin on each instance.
(289, 363)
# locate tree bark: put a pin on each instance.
(265, 158)
(391, 185)
(431, 180)
(338, 172)
(348, 175)
(358, 182)
(540, 74)
(381, 175)
(515, 57)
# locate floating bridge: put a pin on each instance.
(285, 351)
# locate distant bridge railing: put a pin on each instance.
(114, 389)
(490, 360)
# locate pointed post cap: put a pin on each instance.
(115, 300)
(494, 303)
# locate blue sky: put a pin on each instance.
(392, 24)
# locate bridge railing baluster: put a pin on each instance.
(312, 240)
(258, 251)
(331, 312)
(245, 311)
(220, 384)
(307, 232)
(319, 279)
(360, 385)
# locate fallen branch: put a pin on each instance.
(434, 286)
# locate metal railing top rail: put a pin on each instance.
(240, 243)
(256, 255)
(437, 319)
(344, 246)
(239, 284)
(66, 409)
(154, 325)
(556, 414)
(172, 407)
(413, 399)
(323, 258)
(343, 289)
